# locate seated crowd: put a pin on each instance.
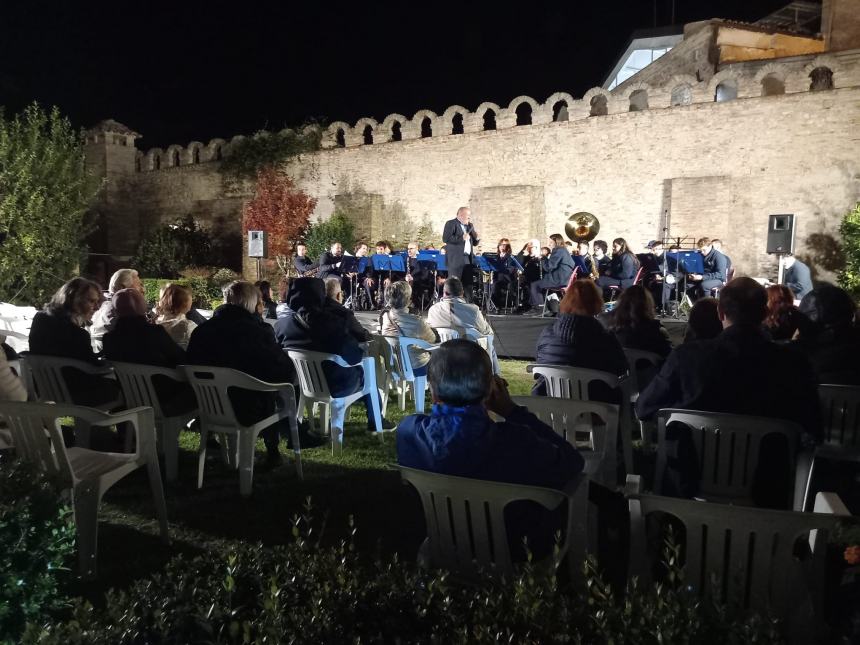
(750, 352)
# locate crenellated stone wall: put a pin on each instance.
(649, 161)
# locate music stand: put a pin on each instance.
(390, 263)
(348, 268)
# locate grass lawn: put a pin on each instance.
(387, 514)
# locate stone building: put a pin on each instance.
(735, 122)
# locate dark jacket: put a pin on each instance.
(327, 265)
(716, 265)
(581, 341)
(238, 339)
(624, 267)
(134, 340)
(308, 326)
(455, 245)
(558, 266)
(56, 335)
(304, 264)
(738, 372)
(334, 308)
(798, 279)
(834, 354)
(648, 336)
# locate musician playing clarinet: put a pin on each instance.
(302, 262)
(461, 238)
(330, 263)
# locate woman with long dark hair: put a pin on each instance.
(634, 322)
(782, 316)
(622, 267)
(505, 280)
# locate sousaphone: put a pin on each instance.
(582, 227)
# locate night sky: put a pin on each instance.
(188, 70)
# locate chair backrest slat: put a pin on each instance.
(643, 367)
(311, 376)
(840, 410)
(211, 386)
(567, 382)
(447, 333)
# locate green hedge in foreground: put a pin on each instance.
(305, 593)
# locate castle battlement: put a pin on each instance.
(737, 81)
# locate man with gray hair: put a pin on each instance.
(334, 306)
(461, 238)
(237, 338)
(105, 318)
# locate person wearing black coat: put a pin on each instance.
(310, 327)
(829, 335)
(460, 239)
(634, 324)
(797, 277)
(577, 339)
(237, 338)
(557, 269)
(715, 270)
(622, 268)
(59, 330)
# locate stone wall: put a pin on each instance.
(687, 168)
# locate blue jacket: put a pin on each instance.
(558, 266)
(465, 442)
(716, 265)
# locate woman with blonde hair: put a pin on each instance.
(174, 304)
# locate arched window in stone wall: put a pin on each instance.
(524, 114)
(219, 154)
(396, 134)
(598, 105)
(368, 135)
(340, 138)
(489, 120)
(195, 155)
(175, 161)
(638, 101)
(426, 128)
(559, 111)
(457, 124)
(821, 78)
(771, 86)
(726, 91)
(682, 95)
(156, 162)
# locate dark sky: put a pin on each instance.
(192, 70)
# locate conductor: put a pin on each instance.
(461, 238)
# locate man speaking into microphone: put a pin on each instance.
(460, 238)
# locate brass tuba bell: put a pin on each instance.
(582, 227)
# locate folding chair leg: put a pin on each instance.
(87, 526)
(297, 448)
(201, 455)
(247, 441)
(154, 474)
(338, 414)
(231, 451)
(420, 384)
(402, 395)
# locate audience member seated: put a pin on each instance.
(622, 269)
(453, 311)
(577, 339)
(459, 438)
(269, 306)
(397, 321)
(739, 372)
(704, 322)
(134, 339)
(782, 316)
(283, 289)
(236, 338)
(103, 319)
(11, 385)
(311, 327)
(172, 309)
(334, 307)
(60, 330)
(829, 335)
(634, 322)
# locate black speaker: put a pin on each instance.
(780, 234)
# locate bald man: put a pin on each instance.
(461, 238)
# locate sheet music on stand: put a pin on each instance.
(579, 263)
(350, 264)
(685, 262)
(393, 263)
(434, 256)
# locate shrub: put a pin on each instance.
(45, 192)
(320, 236)
(203, 290)
(38, 538)
(167, 250)
(306, 593)
(849, 276)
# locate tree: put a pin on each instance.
(337, 228)
(168, 250)
(45, 192)
(280, 209)
(849, 276)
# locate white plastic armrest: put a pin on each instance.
(530, 367)
(830, 503)
(633, 485)
(338, 360)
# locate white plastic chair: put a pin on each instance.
(86, 474)
(211, 385)
(751, 552)
(315, 390)
(138, 390)
(566, 382)
(387, 375)
(466, 523)
(643, 368)
(569, 417)
(727, 447)
(43, 376)
(840, 421)
(487, 342)
(400, 347)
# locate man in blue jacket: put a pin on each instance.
(715, 268)
(557, 269)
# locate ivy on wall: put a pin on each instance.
(849, 276)
(268, 149)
